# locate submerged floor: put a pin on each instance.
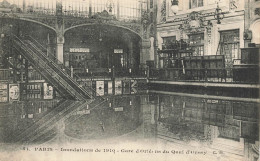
(147, 124)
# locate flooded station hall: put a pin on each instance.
(122, 80)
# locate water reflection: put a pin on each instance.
(224, 125)
(17, 117)
(121, 116)
(216, 124)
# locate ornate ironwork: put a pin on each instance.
(49, 21)
(208, 28)
(257, 11)
(174, 2)
(163, 11)
(219, 15)
(110, 5)
(194, 23)
(145, 21)
(103, 16)
(51, 18)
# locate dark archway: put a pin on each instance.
(103, 46)
(44, 34)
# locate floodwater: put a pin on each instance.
(147, 125)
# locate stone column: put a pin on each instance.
(131, 59)
(118, 10)
(59, 31)
(24, 6)
(145, 51)
(131, 55)
(90, 7)
(59, 53)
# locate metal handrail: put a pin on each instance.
(47, 77)
(100, 103)
(64, 67)
(57, 68)
(26, 49)
(38, 122)
(60, 70)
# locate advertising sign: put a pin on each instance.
(79, 50)
(14, 92)
(100, 87)
(3, 92)
(118, 84)
(118, 51)
(117, 109)
(118, 91)
(48, 91)
(110, 87)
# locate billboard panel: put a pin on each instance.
(3, 92)
(48, 91)
(14, 92)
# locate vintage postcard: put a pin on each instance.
(144, 80)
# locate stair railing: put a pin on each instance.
(62, 72)
(45, 67)
(52, 57)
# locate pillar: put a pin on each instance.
(131, 55)
(90, 8)
(50, 49)
(59, 53)
(26, 71)
(59, 31)
(24, 6)
(247, 22)
(145, 51)
(118, 9)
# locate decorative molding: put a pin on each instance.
(49, 21)
(209, 29)
(103, 16)
(194, 23)
(145, 22)
(233, 5)
(247, 35)
(59, 21)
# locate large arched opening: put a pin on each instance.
(42, 33)
(102, 47)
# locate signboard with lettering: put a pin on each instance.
(118, 51)
(79, 50)
(118, 91)
(3, 92)
(48, 91)
(100, 87)
(110, 87)
(31, 91)
(118, 84)
(117, 109)
(14, 92)
(82, 112)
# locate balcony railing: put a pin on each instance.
(122, 10)
(110, 73)
(233, 75)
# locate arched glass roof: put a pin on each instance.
(121, 9)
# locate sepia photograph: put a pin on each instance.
(133, 80)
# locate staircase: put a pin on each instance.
(42, 127)
(76, 97)
(50, 70)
